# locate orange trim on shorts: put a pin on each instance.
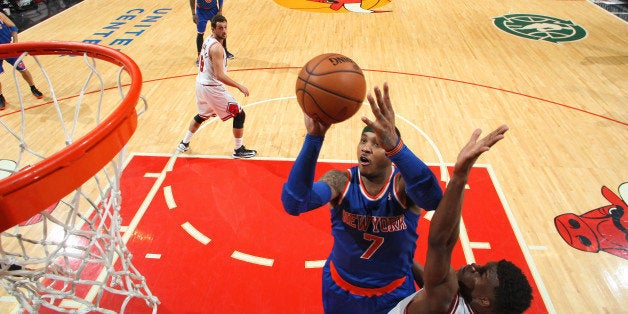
(205, 9)
(365, 292)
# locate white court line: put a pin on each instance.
(136, 219)
(152, 175)
(169, 197)
(467, 248)
(466, 243)
(153, 256)
(200, 237)
(315, 264)
(537, 247)
(441, 162)
(67, 303)
(148, 200)
(444, 174)
(522, 244)
(7, 168)
(252, 259)
(430, 213)
(480, 245)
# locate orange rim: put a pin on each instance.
(34, 188)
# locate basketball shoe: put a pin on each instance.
(183, 147)
(242, 152)
(3, 104)
(230, 55)
(36, 92)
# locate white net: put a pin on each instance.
(70, 257)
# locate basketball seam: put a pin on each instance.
(334, 71)
(315, 66)
(327, 90)
(325, 73)
(321, 109)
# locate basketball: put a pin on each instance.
(330, 88)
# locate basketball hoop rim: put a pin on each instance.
(32, 189)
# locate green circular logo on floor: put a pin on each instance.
(540, 27)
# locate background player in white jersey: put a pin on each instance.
(496, 287)
(212, 97)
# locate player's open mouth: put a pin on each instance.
(364, 160)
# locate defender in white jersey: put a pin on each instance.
(212, 97)
(496, 287)
(458, 305)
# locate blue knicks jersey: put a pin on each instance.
(374, 235)
(5, 34)
(209, 4)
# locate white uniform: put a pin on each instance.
(212, 97)
(458, 305)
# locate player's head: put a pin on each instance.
(219, 26)
(514, 294)
(496, 287)
(370, 129)
(372, 158)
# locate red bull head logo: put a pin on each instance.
(336, 6)
(602, 229)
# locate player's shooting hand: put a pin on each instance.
(315, 127)
(384, 124)
(474, 148)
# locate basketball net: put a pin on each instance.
(68, 255)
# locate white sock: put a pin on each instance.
(188, 137)
(238, 142)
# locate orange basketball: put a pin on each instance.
(331, 88)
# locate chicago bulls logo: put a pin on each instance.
(602, 229)
(335, 6)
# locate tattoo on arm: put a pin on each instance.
(337, 180)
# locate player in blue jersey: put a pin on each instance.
(8, 34)
(375, 208)
(202, 12)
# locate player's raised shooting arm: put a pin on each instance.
(440, 279)
(300, 193)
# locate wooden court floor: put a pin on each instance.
(450, 70)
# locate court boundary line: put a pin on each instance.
(522, 243)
